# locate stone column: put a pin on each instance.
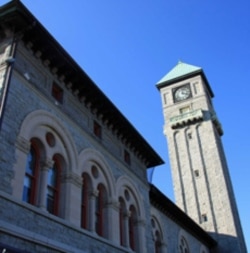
(126, 216)
(140, 235)
(71, 192)
(111, 215)
(92, 203)
(163, 247)
(42, 197)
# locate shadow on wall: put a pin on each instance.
(7, 249)
(227, 243)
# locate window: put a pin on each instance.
(203, 249)
(50, 139)
(204, 217)
(196, 87)
(53, 188)
(165, 98)
(127, 157)
(84, 202)
(31, 176)
(128, 219)
(57, 93)
(196, 173)
(157, 236)
(183, 246)
(185, 109)
(97, 130)
(157, 242)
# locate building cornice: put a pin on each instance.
(17, 18)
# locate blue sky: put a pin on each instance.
(127, 46)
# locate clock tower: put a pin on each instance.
(201, 179)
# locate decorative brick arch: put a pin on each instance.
(158, 233)
(38, 122)
(183, 245)
(132, 215)
(90, 157)
(98, 212)
(124, 183)
(159, 224)
(53, 139)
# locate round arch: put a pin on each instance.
(183, 245)
(158, 225)
(125, 182)
(89, 157)
(35, 125)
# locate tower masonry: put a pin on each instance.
(201, 179)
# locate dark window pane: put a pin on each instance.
(30, 178)
(30, 164)
(52, 175)
(57, 92)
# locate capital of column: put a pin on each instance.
(46, 164)
(93, 193)
(126, 214)
(141, 222)
(70, 177)
(112, 203)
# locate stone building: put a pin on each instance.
(73, 170)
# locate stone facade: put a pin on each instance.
(73, 170)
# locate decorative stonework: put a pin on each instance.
(70, 177)
(23, 144)
(46, 164)
(186, 118)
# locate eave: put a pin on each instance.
(183, 77)
(27, 28)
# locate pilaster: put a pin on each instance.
(22, 151)
(92, 202)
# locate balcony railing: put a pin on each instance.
(186, 118)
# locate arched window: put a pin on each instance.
(31, 176)
(131, 224)
(85, 201)
(157, 235)
(157, 242)
(99, 210)
(53, 187)
(122, 211)
(183, 246)
(203, 249)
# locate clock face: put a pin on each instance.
(182, 93)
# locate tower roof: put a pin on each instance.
(180, 70)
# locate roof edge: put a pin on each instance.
(200, 71)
